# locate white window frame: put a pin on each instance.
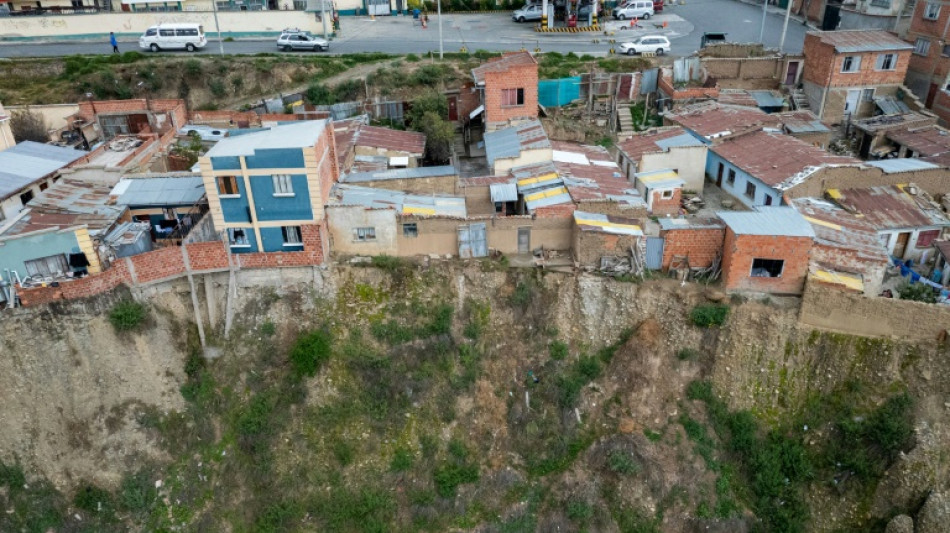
(932, 11)
(366, 234)
(292, 236)
(886, 62)
(283, 185)
(855, 64)
(922, 46)
(515, 95)
(867, 95)
(242, 242)
(667, 194)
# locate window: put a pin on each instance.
(366, 234)
(767, 268)
(44, 186)
(283, 185)
(291, 235)
(410, 230)
(867, 95)
(227, 186)
(512, 97)
(151, 32)
(932, 11)
(768, 200)
(166, 33)
(26, 197)
(731, 177)
(238, 238)
(666, 195)
(927, 238)
(750, 190)
(191, 32)
(851, 64)
(881, 3)
(886, 62)
(54, 265)
(922, 46)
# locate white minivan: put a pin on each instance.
(639, 9)
(182, 36)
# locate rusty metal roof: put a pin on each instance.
(713, 120)
(89, 200)
(40, 221)
(926, 141)
(838, 228)
(394, 140)
(501, 64)
(509, 142)
(776, 158)
(890, 207)
(802, 121)
(855, 41)
(944, 248)
(657, 140)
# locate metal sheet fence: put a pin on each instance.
(557, 93)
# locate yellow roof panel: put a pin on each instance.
(851, 281)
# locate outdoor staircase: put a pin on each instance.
(799, 100)
(625, 118)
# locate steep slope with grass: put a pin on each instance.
(397, 398)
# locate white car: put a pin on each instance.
(301, 40)
(181, 36)
(528, 12)
(207, 133)
(648, 43)
(636, 9)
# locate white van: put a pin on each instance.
(173, 37)
(639, 9)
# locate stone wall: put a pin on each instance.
(855, 314)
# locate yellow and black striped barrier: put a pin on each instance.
(463, 50)
(567, 30)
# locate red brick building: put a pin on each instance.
(846, 70)
(509, 88)
(929, 65)
(697, 240)
(766, 250)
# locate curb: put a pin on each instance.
(567, 30)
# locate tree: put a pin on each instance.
(29, 126)
(429, 102)
(440, 136)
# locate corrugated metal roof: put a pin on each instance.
(840, 229)
(774, 221)
(660, 179)
(689, 223)
(925, 141)
(657, 140)
(889, 207)
(396, 140)
(504, 192)
(502, 64)
(712, 120)
(846, 41)
(89, 200)
(417, 204)
(24, 163)
(683, 139)
(767, 99)
(851, 281)
(802, 121)
(160, 191)
(944, 248)
(400, 174)
(903, 164)
(546, 197)
(891, 106)
(302, 134)
(509, 142)
(607, 224)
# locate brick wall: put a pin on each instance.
(174, 107)
(666, 206)
(224, 118)
(516, 77)
(935, 181)
(469, 100)
(823, 66)
(701, 245)
(590, 246)
(933, 66)
(941, 105)
(848, 260)
(744, 68)
(825, 307)
(740, 250)
(169, 263)
(436, 184)
(665, 85)
(610, 207)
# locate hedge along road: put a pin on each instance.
(490, 31)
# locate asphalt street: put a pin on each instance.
(495, 32)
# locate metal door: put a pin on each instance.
(378, 7)
(524, 240)
(654, 259)
(472, 241)
(453, 108)
(791, 75)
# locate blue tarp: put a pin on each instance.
(556, 93)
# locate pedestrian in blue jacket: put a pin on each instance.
(114, 43)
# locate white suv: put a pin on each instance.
(648, 43)
(300, 40)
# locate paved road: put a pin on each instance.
(495, 32)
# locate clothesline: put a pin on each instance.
(906, 271)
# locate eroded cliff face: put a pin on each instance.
(74, 393)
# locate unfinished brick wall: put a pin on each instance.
(590, 246)
(169, 263)
(610, 207)
(665, 85)
(662, 207)
(516, 77)
(740, 250)
(172, 106)
(936, 181)
(433, 185)
(700, 245)
(744, 68)
(823, 66)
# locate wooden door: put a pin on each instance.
(719, 175)
(901, 246)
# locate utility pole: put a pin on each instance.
(439, 7)
(214, 8)
(765, 11)
(788, 13)
(323, 18)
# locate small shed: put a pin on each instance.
(597, 236)
(662, 189)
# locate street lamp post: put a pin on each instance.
(439, 7)
(765, 11)
(788, 12)
(214, 8)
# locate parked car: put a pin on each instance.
(528, 12)
(584, 10)
(641, 9)
(207, 133)
(648, 43)
(301, 40)
(182, 36)
(657, 5)
(711, 37)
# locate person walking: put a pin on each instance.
(114, 43)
